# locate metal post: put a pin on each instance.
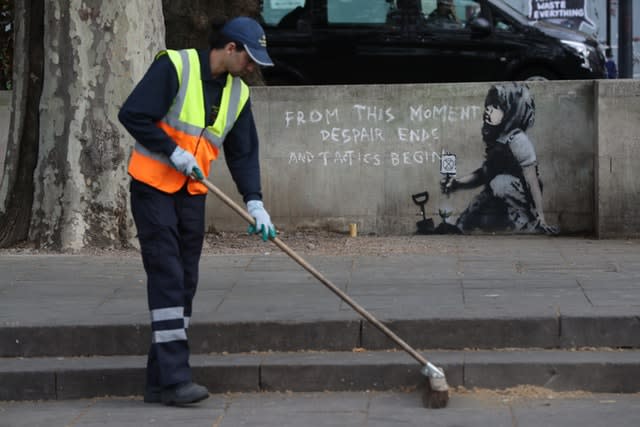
(625, 38)
(608, 6)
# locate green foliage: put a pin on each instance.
(6, 44)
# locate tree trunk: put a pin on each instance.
(16, 190)
(64, 185)
(94, 53)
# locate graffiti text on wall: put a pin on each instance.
(370, 127)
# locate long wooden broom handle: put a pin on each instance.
(297, 258)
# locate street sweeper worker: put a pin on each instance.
(188, 107)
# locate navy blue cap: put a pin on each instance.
(248, 32)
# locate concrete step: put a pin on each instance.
(614, 371)
(455, 333)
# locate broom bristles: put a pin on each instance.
(436, 393)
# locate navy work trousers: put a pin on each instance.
(171, 232)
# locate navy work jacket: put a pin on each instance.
(151, 99)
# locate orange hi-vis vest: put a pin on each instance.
(185, 124)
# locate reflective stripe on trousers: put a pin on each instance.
(162, 316)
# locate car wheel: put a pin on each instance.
(536, 74)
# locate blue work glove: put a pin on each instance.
(186, 163)
(263, 220)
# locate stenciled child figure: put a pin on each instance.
(512, 196)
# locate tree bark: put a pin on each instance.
(16, 190)
(94, 53)
(64, 185)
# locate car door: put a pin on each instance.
(353, 42)
(287, 25)
(453, 50)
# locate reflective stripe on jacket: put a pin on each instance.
(185, 124)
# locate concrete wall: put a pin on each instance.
(618, 157)
(342, 154)
(335, 155)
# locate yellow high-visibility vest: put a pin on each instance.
(185, 123)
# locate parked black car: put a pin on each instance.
(402, 41)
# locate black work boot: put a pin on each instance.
(184, 393)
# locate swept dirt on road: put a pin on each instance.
(306, 242)
(331, 243)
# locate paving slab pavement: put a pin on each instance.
(477, 292)
(551, 291)
(60, 378)
(362, 409)
(481, 276)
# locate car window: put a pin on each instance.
(357, 11)
(502, 24)
(449, 14)
(283, 13)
